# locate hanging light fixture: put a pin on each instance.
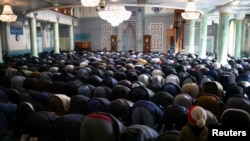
(115, 14)
(7, 14)
(190, 12)
(90, 3)
(236, 2)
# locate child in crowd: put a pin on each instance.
(195, 129)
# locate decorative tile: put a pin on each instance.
(156, 31)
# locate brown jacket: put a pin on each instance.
(188, 134)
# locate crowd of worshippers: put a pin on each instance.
(121, 96)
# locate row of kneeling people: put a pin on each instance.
(93, 119)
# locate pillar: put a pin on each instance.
(222, 38)
(191, 36)
(33, 37)
(120, 46)
(56, 38)
(203, 37)
(71, 38)
(238, 37)
(1, 46)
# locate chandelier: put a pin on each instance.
(7, 14)
(115, 14)
(90, 3)
(190, 12)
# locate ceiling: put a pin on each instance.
(21, 7)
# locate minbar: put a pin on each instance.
(85, 45)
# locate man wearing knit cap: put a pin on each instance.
(195, 129)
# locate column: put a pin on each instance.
(71, 38)
(1, 46)
(139, 30)
(238, 37)
(56, 38)
(191, 36)
(119, 38)
(203, 37)
(33, 37)
(222, 38)
(217, 21)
